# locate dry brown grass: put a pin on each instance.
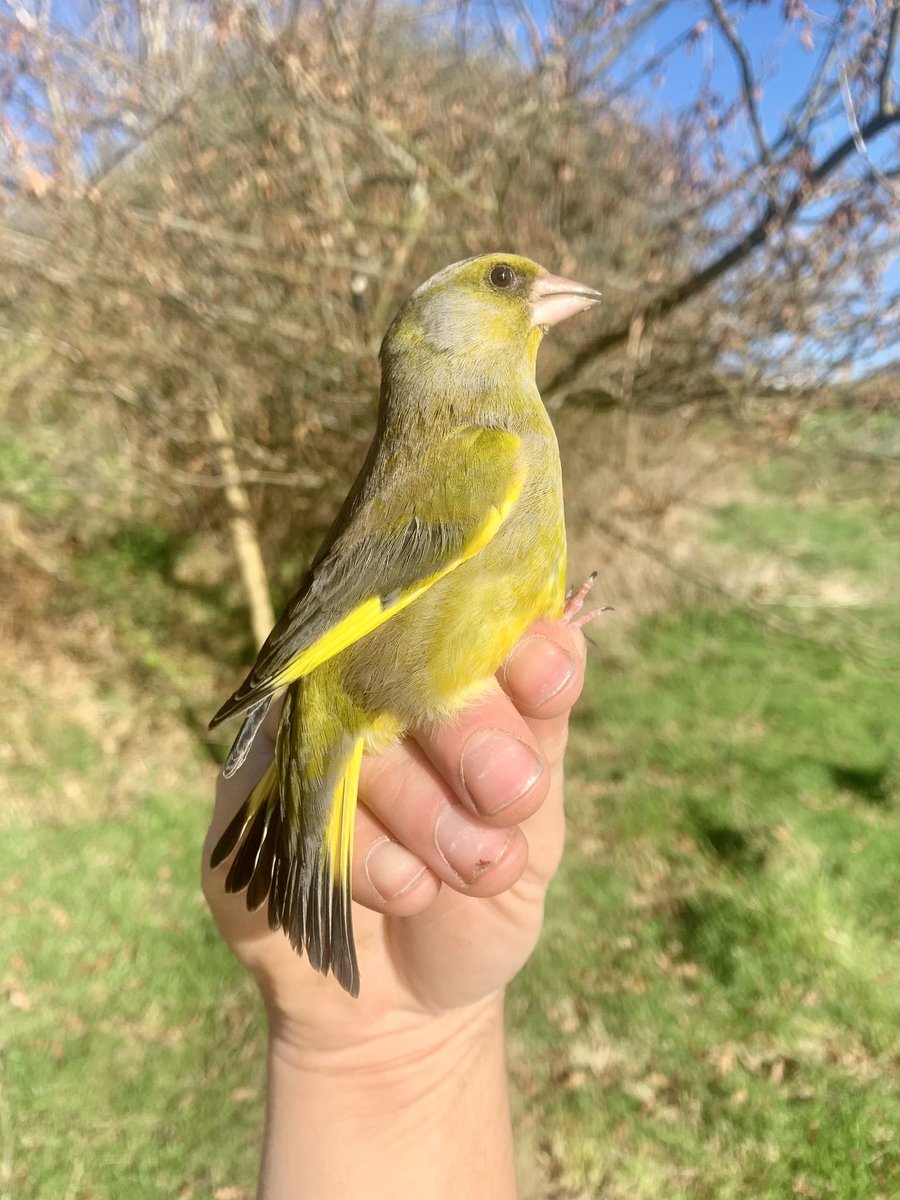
(75, 748)
(637, 492)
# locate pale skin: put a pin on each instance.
(459, 831)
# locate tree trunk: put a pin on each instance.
(240, 520)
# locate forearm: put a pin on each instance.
(421, 1113)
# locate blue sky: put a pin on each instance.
(778, 55)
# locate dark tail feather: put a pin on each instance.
(325, 920)
(252, 865)
(328, 929)
(307, 885)
(244, 818)
(261, 880)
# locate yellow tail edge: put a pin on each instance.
(329, 934)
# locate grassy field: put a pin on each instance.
(715, 1005)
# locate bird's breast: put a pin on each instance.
(431, 657)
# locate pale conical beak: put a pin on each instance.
(554, 298)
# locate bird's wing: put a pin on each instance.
(415, 529)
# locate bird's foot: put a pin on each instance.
(572, 614)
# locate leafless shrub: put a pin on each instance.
(212, 210)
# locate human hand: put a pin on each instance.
(450, 814)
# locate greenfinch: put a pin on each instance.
(449, 545)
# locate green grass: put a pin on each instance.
(713, 1011)
(725, 929)
(131, 1048)
(810, 536)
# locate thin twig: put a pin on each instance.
(748, 83)
(886, 101)
(858, 139)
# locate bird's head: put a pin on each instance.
(485, 314)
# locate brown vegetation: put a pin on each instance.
(212, 212)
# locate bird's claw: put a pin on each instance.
(572, 614)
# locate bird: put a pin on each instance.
(450, 543)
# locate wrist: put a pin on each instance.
(417, 1106)
(390, 1044)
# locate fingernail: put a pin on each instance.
(537, 670)
(392, 869)
(467, 849)
(496, 768)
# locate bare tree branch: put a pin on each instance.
(886, 101)
(858, 139)
(748, 83)
(774, 216)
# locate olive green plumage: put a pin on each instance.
(450, 543)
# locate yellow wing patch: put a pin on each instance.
(372, 612)
(362, 620)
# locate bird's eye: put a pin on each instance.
(502, 276)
